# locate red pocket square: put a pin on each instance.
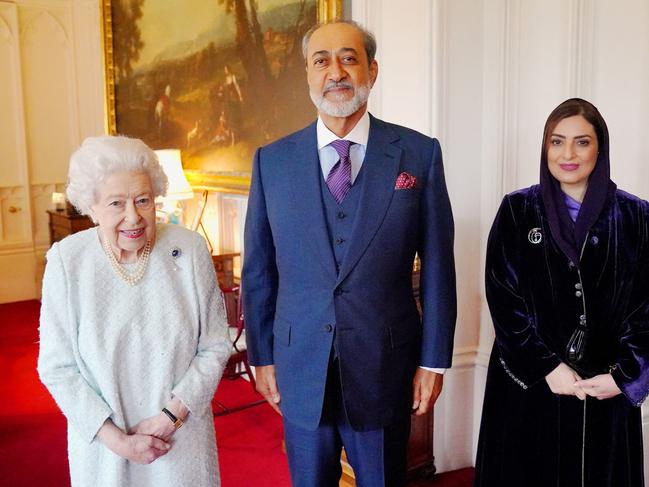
(406, 181)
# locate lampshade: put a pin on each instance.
(179, 188)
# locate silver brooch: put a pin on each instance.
(534, 236)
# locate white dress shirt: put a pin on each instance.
(329, 157)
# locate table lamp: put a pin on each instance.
(179, 188)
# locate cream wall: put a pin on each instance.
(481, 75)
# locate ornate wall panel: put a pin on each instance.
(10, 100)
(49, 91)
(40, 102)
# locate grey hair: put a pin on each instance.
(369, 40)
(99, 157)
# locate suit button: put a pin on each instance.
(578, 294)
(578, 285)
(341, 214)
(338, 291)
(339, 240)
(328, 328)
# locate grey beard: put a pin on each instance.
(341, 108)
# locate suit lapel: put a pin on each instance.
(380, 169)
(304, 177)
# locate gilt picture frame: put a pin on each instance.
(213, 78)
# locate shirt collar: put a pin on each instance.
(359, 134)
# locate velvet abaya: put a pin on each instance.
(538, 296)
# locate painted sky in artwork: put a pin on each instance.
(167, 27)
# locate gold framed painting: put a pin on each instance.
(214, 78)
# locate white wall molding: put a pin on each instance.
(372, 19)
(44, 22)
(496, 67)
(89, 67)
(581, 23)
(464, 357)
(437, 68)
(510, 91)
(6, 32)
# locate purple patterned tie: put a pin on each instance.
(339, 179)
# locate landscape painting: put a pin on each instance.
(214, 78)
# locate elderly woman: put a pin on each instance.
(133, 329)
(567, 281)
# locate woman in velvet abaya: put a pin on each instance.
(567, 282)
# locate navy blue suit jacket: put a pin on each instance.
(295, 301)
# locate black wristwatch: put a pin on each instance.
(176, 421)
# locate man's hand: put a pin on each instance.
(426, 388)
(601, 386)
(562, 380)
(267, 385)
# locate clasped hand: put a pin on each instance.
(565, 381)
(159, 426)
(136, 447)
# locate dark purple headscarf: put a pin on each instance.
(569, 236)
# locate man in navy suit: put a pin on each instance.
(336, 214)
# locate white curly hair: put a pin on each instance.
(99, 157)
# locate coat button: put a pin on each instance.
(328, 328)
(338, 291)
(341, 215)
(578, 285)
(578, 294)
(339, 240)
(594, 240)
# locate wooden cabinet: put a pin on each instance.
(65, 222)
(421, 462)
(224, 267)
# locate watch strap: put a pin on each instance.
(172, 417)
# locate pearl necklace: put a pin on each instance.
(140, 267)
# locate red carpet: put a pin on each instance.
(33, 445)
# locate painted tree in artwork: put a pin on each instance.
(127, 46)
(249, 40)
(249, 43)
(127, 39)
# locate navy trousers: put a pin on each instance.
(378, 457)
